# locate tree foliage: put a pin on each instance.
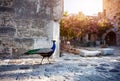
(77, 25)
(103, 26)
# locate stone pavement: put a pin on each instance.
(67, 68)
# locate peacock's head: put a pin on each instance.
(53, 40)
(53, 46)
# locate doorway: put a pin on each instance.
(110, 39)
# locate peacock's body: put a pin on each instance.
(44, 52)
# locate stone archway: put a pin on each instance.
(110, 38)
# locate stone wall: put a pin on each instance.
(28, 24)
(112, 9)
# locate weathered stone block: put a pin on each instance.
(6, 9)
(28, 8)
(6, 6)
(18, 51)
(25, 42)
(7, 31)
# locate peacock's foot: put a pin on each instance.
(40, 63)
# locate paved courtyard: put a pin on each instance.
(67, 68)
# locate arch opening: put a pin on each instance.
(110, 38)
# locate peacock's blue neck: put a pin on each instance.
(53, 47)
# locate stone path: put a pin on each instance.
(67, 68)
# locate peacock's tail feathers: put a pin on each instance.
(41, 50)
(38, 51)
(29, 52)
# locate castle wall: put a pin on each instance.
(28, 24)
(112, 9)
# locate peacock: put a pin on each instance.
(44, 52)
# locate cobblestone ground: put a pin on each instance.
(67, 68)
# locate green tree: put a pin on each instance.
(104, 25)
(78, 25)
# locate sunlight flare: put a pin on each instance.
(88, 7)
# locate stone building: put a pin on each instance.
(112, 12)
(111, 7)
(28, 24)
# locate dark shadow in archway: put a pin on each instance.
(110, 39)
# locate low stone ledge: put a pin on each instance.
(89, 53)
(107, 51)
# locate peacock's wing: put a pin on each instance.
(44, 50)
(33, 51)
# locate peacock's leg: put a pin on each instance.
(48, 60)
(41, 60)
